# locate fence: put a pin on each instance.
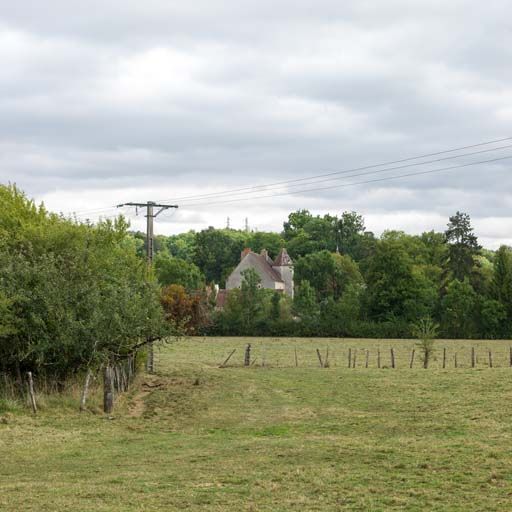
(378, 358)
(117, 377)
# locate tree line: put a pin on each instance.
(73, 296)
(348, 282)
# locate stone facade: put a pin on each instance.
(276, 275)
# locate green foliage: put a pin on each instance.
(459, 310)
(462, 246)
(328, 273)
(275, 311)
(305, 306)
(306, 234)
(217, 252)
(245, 306)
(71, 294)
(7, 317)
(173, 270)
(350, 231)
(493, 318)
(259, 240)
(381, 287)
(182, 246)
(396, 288)
(501, 284)
(426, 330)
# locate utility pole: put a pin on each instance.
(151, 215)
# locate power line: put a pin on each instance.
(387, 169)
(94, 210)
(386, 178)
(302, 181)
(363, 168)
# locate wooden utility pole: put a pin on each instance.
(151, 215)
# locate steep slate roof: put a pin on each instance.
(283, 259)
(260, 262)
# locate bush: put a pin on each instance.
(72, 295)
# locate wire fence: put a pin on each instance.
(393, 357)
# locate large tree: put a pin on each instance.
(305, 233)
(171, 270)
(459, 310)
(396, 287)
(258, 240)
(462, 244)
(306, 306)
(328, 273)
(217, 252)
(501, 286)
(352, 238)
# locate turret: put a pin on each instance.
(283, 265)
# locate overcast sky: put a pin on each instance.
(103, 102)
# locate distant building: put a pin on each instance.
(275, 275)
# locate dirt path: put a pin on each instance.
(137, 404)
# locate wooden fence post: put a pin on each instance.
(31, 392)
(444, 357)
(296, 360)
(490, 358)
(117, 383)
(108, 389)
(85, 391)
(367, 358)
(392, 358)
(378, 358)
(227, 359)
(247, 356)
(326, 362)
(354, 360)
(150, 361)
(319, 358)
(412, 358)
(349, 357)
(473, 360)
(455, 360)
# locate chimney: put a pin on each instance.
(265, 255)
(244, 253)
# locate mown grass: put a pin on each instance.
(275, 437)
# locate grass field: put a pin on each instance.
(275, 437)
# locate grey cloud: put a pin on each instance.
(203, 95)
